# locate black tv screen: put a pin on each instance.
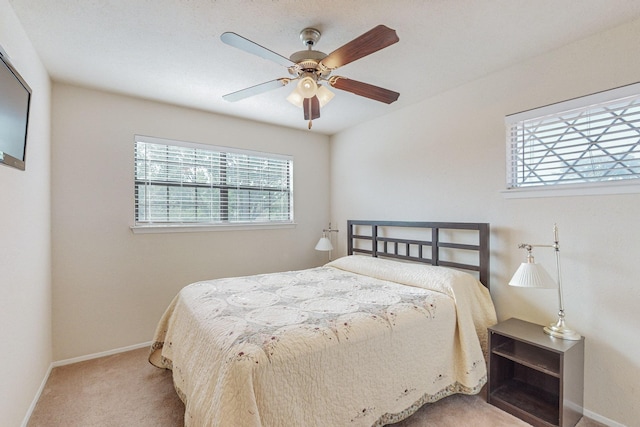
(15, 98)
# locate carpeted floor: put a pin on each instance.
(125, 390)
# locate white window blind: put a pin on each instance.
(185, 183)
(591, 139)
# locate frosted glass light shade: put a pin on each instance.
(532, 275)
(324, 244)
(324, 95)
(295, 98)
(307, 87)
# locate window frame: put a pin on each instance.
(618, 186)
(151, 226)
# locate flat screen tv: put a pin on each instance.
(15, 99)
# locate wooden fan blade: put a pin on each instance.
(235, 40)
(368, 43)
(364, 89)
(255, 90)
(311, 108)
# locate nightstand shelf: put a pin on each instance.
(520, 396)
(533, 376)
(533, 357)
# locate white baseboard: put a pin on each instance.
(64, 362)
(25, 421)
(101, 354)
(603, 420)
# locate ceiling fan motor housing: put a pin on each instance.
(307, 61)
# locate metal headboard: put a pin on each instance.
(413, 250)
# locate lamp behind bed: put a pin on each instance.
(324, 244)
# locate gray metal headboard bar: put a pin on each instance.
(387, 247)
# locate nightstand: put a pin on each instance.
(534, 376)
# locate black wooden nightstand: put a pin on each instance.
(534, 376)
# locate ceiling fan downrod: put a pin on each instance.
(309, 37)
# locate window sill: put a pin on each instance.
(196, 228)
(572, 190)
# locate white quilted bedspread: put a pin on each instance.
(361, 341)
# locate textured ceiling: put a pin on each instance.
(170, 50)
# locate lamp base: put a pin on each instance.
(559, 330)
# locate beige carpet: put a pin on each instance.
(125, 390)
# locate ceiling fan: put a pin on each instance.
(311, 68)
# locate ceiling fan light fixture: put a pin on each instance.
(324, 95)
(307, 87)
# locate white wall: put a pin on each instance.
(110, 285)
(25, 245)
(444, 159)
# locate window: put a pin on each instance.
(592, 139)
(178, 183)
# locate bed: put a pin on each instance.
(364, 340)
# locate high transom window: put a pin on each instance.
(592, 139)
(180, 183)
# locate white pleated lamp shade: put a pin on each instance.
(532, 275)
(324, 244)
